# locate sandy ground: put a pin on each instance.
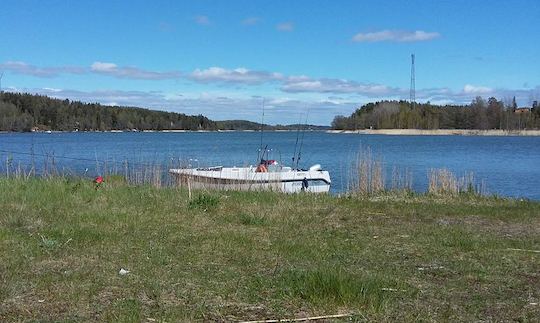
(441, 132)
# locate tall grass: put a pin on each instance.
(368, 175)
(443, 181)
(153, 173)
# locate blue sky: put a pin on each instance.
(223, 58)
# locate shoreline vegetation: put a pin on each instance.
(366, 174)
(391, 132)
(127, 252)
(23, 112)
(439, 132)
(479, 115)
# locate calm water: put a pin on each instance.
(509, 166)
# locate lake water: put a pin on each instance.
(509, 166)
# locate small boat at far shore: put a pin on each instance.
(268, 175)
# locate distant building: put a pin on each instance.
(522, 110)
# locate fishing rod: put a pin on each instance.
(302, 140)
(297, 135)
(261, 152)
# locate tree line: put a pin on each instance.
(250, 125)
(479, 114)
(26, 112)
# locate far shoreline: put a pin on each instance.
(388, 132)
(440, 132)
(159, 131)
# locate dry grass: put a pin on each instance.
(368, 176)
(252, 255)
(443, 181)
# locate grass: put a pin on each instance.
(253, 255)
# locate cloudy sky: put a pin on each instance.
(224, 59)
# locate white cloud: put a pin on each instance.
(472, 89)
(103, 67)
(52, 89)
(321, 89)
(469, 92)
(395, 36)
(250, 21)
(202, 20)
(128, 72)
(238, 75)
(327, 85)
(19, 67)
(285, 26)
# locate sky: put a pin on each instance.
(298, 59)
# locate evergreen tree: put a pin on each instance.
(23, 112)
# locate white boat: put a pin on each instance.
(267, 175)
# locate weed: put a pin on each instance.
(322, 286)
(48, 243)
(204, 202)
(251, 219)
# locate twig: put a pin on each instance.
(68, 241)
(527, 250)
(393, 290)
(312, 318)
(189, 188)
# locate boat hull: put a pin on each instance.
(247, 179)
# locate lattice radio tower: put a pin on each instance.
(413, 84)
(1, 75)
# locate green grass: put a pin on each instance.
(247, 255)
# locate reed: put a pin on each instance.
(443, 181)
(367, 175)
(153, 173)
(402, 179)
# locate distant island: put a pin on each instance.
(24, 112)
(479, 115)
(249, 125)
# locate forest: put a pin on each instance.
(479, 114)
(25, 112)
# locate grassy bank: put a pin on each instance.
(239, 256)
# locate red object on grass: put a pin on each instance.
(98, 180)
